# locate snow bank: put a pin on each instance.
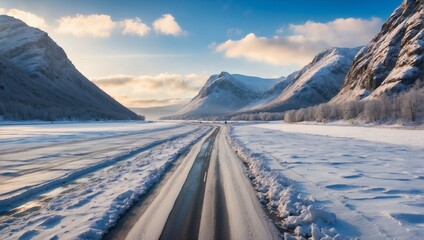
(297, 214)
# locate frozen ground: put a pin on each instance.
(370, 179)
(19, 135)
(74, 180)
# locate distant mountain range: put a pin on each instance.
(38, 81)
(392, 62)
(223, 94)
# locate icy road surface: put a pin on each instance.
(365, 183)
(207, 197)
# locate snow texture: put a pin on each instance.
(77, 189)
(326, 185)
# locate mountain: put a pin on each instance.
(38, 81)
(272, 93)
(393, 60)
(316, 83)
(224, 93)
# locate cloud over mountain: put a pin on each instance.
(301, 41)
(29, 18)
(95, 25)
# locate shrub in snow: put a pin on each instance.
(290, 116)
(412, 104)
(373, 111)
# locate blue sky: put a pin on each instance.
(260, 38)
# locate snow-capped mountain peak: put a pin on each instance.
(225, 93)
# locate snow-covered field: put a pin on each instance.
(358, 182)
(67, 181)
(74, 180)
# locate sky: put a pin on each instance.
(148, 53)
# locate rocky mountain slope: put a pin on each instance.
(223, 94)
(393, 60)
(316, 83)
(38, 81)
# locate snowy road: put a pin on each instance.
(75, 181)
(207, 197)
(184, 220)
(157, 180)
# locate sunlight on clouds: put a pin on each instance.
(342, 32)
(31, 19)
(275, 51)
(99, 26)
(167, 25)
(155, 87)
(303, 42)
(134, 27)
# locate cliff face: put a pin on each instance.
(393, 60)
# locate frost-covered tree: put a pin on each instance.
(411, 104)
(290, 116)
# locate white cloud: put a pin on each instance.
(29, 18)
(134, 27)
(274, 51)
(167, 25)
(101, 26)
(95, 25)
(342, 32)
(130, 88)
(303, 42)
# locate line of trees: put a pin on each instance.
(406, 107)
(263, 116)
